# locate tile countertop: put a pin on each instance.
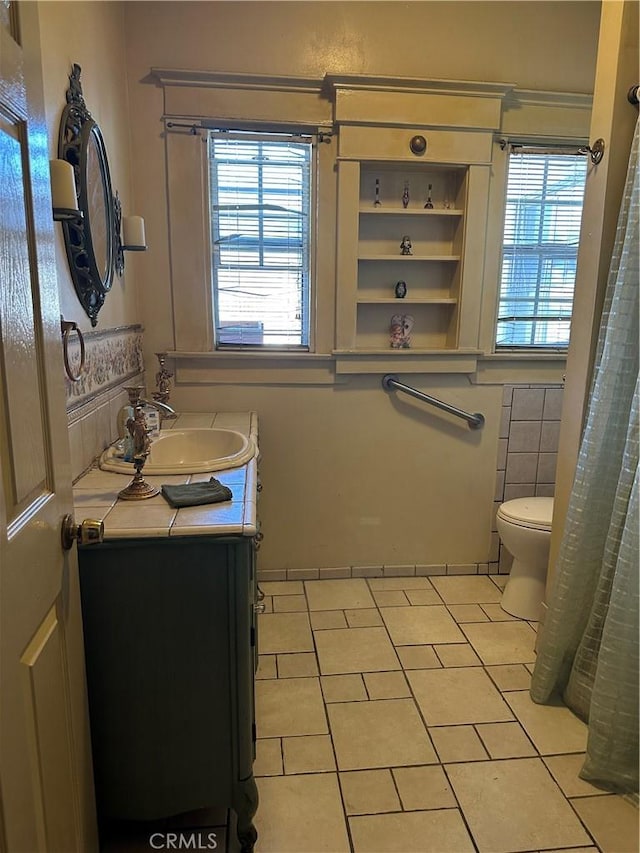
(95, 494)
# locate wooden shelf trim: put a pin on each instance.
(376, 257)
(411, 300)
(401, 211)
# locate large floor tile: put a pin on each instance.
(421, 625)
(338, 594)
(553, 728)
(428, 832)
(290, 706)
(355, 650)
(449, 697)
(284, 632)
(502, 642)
(382, 733)
(301, 814)
(466, 589)
(612, 821)
(514, 805)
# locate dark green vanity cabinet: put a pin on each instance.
(171, 649)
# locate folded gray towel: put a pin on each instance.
(195, 494)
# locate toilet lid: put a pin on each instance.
(528, 512)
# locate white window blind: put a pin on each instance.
(260, 194)
(541, 233)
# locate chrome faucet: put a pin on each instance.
(166, 412)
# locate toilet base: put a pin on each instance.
(524, 592)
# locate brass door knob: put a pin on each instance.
(88, 532)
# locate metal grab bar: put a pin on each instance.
(475, 420)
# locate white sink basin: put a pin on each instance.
(187, 451)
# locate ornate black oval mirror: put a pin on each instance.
(90, 240)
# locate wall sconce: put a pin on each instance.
(63, 191)
(129, 234)
(133, 237)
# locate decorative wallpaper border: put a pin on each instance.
(111, 357)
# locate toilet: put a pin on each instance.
(524, 526)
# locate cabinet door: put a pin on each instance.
(159, 623)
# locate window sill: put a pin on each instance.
(231, 367)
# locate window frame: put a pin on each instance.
(521, 147)
(260, 132)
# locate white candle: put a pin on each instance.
(63, 185)
(133, 232)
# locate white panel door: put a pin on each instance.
(46, 781)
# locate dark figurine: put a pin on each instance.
(429, 202)
(405, 195)
(405, 245)
(401, 289)
(377, 201)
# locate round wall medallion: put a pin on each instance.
(418, 144)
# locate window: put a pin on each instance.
(541, 233)
(260, 197)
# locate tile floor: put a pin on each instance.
(393, 714)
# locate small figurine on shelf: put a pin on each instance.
(400, 331)
(405, 195)
(401, 289)
(429, 202)
(377, 201)
(405, 245)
